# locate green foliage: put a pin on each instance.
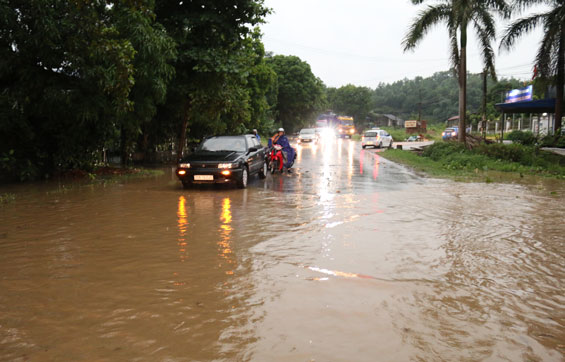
(553, 141)
(300, 93)
(449, 159)
(497, 156)
(526, 138)
(78, 77)
(438, 95)
(352, 101)
(68, 71)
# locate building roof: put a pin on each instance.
(393, 117)
(537, 106)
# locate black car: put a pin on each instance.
(224, 159)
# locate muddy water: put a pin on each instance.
(349, 258)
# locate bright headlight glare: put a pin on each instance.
(184, 165)
(225, 165)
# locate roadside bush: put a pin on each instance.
(525, 138)
(514, 152)
(442, 150)
(553, 141)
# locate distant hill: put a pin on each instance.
(439, 95)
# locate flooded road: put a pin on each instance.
(349, 258)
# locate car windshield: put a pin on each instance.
(307, 131)
(370, 134)
(218, 144)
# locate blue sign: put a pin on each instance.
(520, 95)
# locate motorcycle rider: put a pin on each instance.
(289, 154)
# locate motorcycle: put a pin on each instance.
(276, 159)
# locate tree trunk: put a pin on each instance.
(462, 92)
(182, 133)
(559, 84)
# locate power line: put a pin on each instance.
(362, 56)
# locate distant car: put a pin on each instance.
(308, 135)
(449, 133)
(376, 138)
(413, 138)
(223, 159)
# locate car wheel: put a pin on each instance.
(390, 145)
(263, 171)
(380, 145)
(242, 182)
(186, 184)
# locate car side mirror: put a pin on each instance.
(253, 149)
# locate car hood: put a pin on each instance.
(203, 156)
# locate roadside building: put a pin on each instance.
(388, 120)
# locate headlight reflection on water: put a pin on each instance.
(182, 222)
(226, 229)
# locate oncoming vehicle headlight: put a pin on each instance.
(225, 165)
(352, 130)
(184, 165)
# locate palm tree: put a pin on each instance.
(459, 15)
(550, 59)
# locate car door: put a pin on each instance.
(253, 159)
(260, 153)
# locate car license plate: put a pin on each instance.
(203, 177)
(369, 143)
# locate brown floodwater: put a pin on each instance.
(349, 258)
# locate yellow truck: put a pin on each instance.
(345, 127)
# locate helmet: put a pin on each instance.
(281, 129)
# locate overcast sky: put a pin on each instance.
(359, 42)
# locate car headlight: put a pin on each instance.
(225, 165)
(352, 130)
(184, 165)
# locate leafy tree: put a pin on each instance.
(300, 93)
(550, 59)
(209, 35)
(154, 51)
(66, 73)
(458, 16)
(352, 101)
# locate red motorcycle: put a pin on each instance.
(276, 159)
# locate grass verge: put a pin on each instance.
(451, 160)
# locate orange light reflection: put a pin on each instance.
(182, 222)
(225, 233)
